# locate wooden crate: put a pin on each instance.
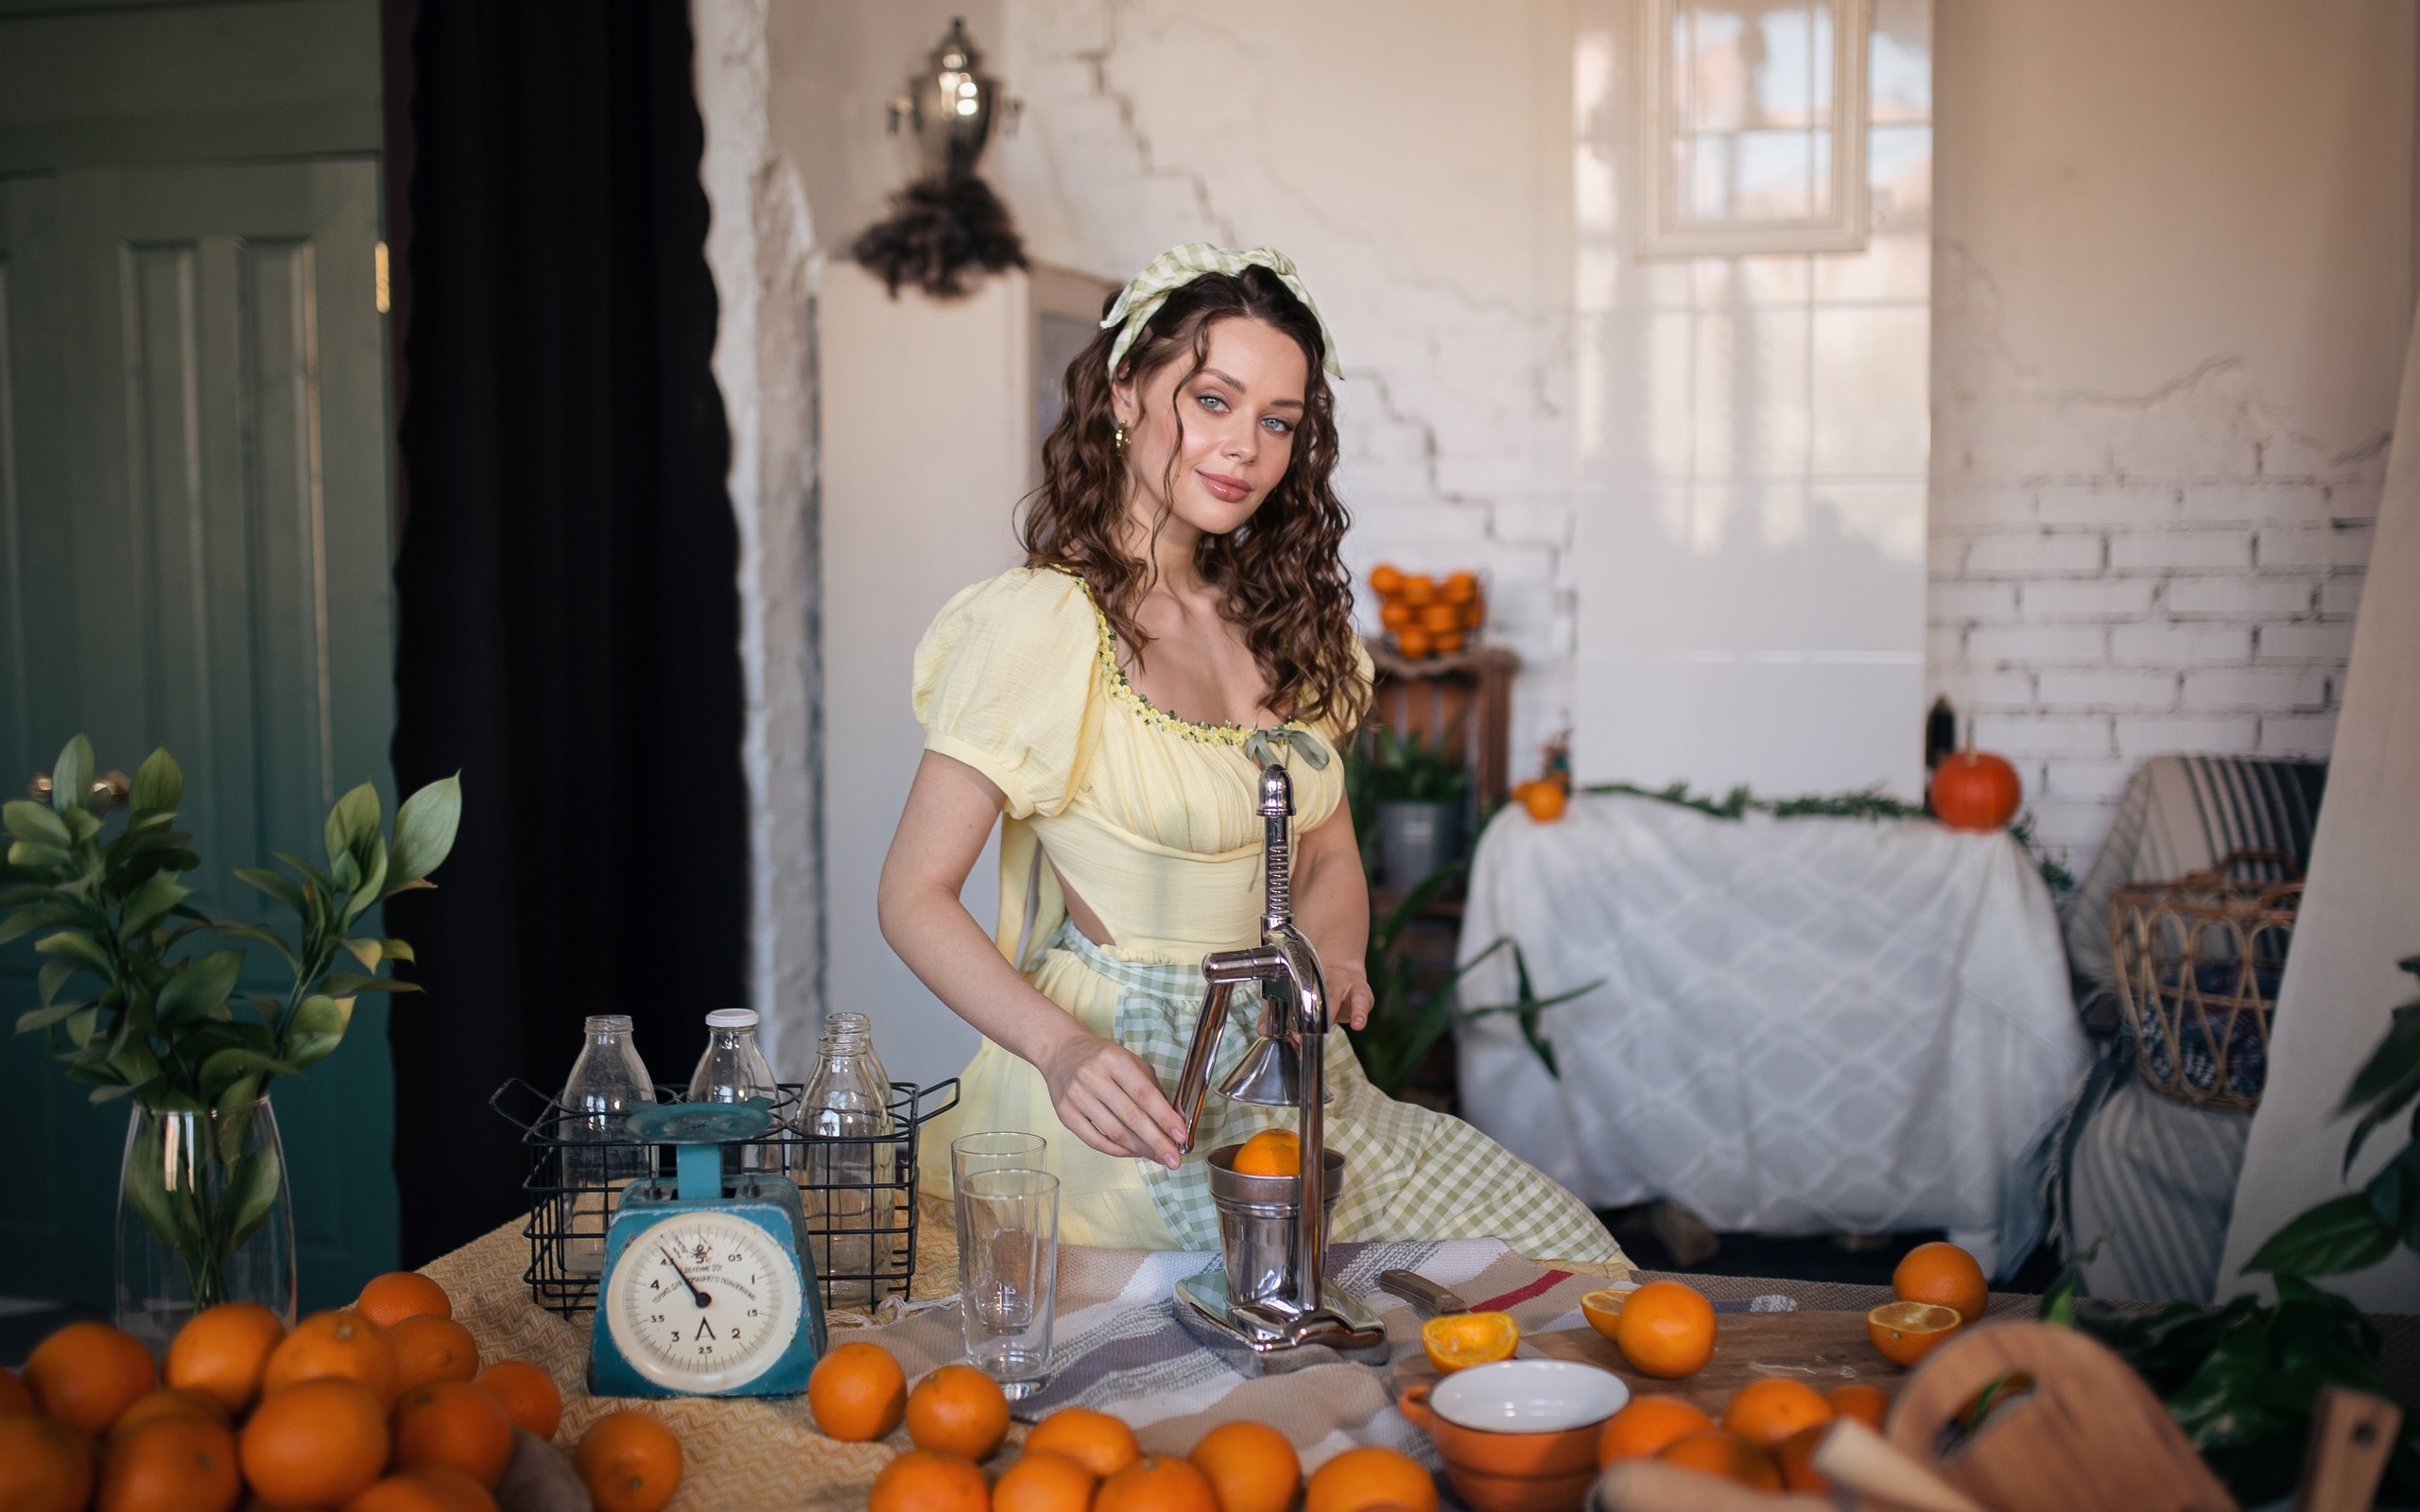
(1467, 696)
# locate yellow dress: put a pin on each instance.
(1152, 821)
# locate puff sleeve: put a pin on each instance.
(1007, 681)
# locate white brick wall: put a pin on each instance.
(2116, 577)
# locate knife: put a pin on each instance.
(1437, 1300)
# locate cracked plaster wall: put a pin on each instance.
(2172, 275)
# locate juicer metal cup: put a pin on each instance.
(1256, 1223)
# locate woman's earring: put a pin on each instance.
(1120, 437)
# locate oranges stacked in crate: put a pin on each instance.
(1425, 615)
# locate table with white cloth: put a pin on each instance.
(1792, 1026)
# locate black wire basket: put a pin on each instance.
(859, 1192)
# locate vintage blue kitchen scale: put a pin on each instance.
(709, 1289)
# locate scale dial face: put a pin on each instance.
(750, 1312)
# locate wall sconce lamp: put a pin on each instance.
(947, 222)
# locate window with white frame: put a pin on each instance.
(1752, 129)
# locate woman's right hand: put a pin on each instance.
(1108, 1098)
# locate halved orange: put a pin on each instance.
(1905, 1332)
(1459, 1340)
(1603, 1307)
(1271, 1151)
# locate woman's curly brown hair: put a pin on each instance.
(1282, 573)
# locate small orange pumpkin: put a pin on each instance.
(1975, 790)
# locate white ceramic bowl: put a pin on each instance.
(1529, 1396)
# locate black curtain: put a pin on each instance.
(567, 609)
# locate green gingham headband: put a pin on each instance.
(1179, 266)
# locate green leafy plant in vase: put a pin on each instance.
(136, 1004)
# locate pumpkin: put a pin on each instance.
(1975, 790)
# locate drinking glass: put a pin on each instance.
(993, 1150)
(1009, 1263)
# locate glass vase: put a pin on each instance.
(204, 1216)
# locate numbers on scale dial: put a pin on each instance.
(703, 1297)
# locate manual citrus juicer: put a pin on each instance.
(1273, 1301)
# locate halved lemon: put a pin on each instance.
(1460, 1340)
(1905, 1332)
(1603, 1307)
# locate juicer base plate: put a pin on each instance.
(1260, 1342)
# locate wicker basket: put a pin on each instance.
(2198, 962)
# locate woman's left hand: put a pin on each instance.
(1349, 998)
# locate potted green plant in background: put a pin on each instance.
(136, 1004)
(1416, 796)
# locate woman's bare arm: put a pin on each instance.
(1332, 906)
(1104, 1094)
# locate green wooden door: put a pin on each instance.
(194, 518)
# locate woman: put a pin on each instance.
(1183, 595)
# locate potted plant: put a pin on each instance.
(136, 1005)
(1417, 796)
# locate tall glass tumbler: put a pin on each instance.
(1009, 1258)
(993, 1150)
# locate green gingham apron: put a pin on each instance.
(1409, 1172)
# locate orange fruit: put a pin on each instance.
(1716, 1453)
(1413, 643)
(1044, 1483)
(1905, 1332)
(171, 1465)
(631, 1462)
(1396, 615)
(1766, 1411)
(925, 1481)
(14, 1397)
(192, 1405)
(400, 1294)
(1361, 1479)
(1385, 578)
(1602, 1308)
(451, 1422)
(530, 1395)
(1445, 642)
(45, 1465)
(1253, 1467)
(318, 1443)
(342, 1344)
(1458, 587)
(403, 1493)
(1546, 802)
(223, 1351)
(1944, 1275)
(467, 1493)
(1271, 1151)
(1644, 1427)
(1157, 1484)
(1100, 1443)
(858, 1392)
(87, 1373)
(432, 1348)
(1459, 1340)
(1417, 589)
(958, 1410)
(1867, 1404)
(1797, 1459)
(1440, 618)
(1666, 1330)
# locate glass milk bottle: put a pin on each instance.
(607, 1082)
(845, 1116)
(733, 1070)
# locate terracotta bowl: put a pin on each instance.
(1519, 1436)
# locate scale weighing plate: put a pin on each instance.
(1264, 1341)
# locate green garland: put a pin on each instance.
(1865, 803)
